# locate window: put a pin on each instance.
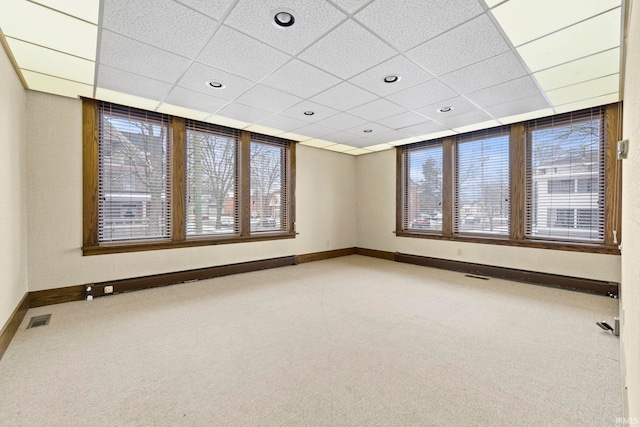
(551, 183)
(482, 183)
(567, 200)
(153, 181)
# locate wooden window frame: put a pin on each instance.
(177, 125)
(517, 159)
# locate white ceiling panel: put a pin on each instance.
(55, 85)
(351, 6)
(464, 45)
(212, 8)
(229, 50)
(375, 128)
(493, 3)
(344, 96)
(591, 67)
(320, 112)
(458, 105)
(402, 120)
(184, 31)
(347, 50)
(317, 143)
(125, 99)
(342, 121)
(477, 126)
(343, 138)
(382, 137)
(408, 72)
(406, 24)
(288, 79)
(340, 148)
(357, 151)
(39, 25)
(195, 100)
(499, 94)
(530, 115)
(424, 94)
(133, 84)
(518, 106)
(588, 103)
(129, 55)
(243, 113)
(585, 90)
(489, 72)
(375, 110)
(187, 113)
(283, 123)
(40, 59)
(525, 20)
(198, 75)
(315, 130)
(312, 20)
(583, 39)
(268, 99)
(87, 10)
(463, 119)
(425, 128)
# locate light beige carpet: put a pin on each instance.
(352, 341)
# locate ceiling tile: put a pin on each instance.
(464, 45)
(347, 50)
(301, 79)
(344, 96)
(492, 3)
(129, 55)
(424, 94)
(88, 10)
(340, 148)
(423, 128)
(585, 90)
(518, 106)
(183, 112)
(223, 52)
(54, 63)
(405, 24)
(342, 121)
(588, 103)
(525, 20)
(402, 120)
(373, 79)
(198, 75)
(285, 124)
(351, 5)
(317, 143)
(295, 136)
(383, 137)
(195, 100)
(320, 112)
(477, 126)
(268, 99)
(591, 67)
(379, 147)
(514, 89)
(530, 115)
(464, 119)
(378, 109)
(489, 72)
(265, 130)
(342, 138)
(55, 85)
(314, 130)
(213, 8)
(458, 104)
(39, 25)
(226, 121)
(374, 127)
(583, 39)
(244, 113)
(163, 23)
(312, 20)
(121, 81)
(125, 99)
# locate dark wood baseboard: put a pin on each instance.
(56, 296)
(374, 253)
(319, 256)
(156, 280)
(554, 280)
(13, 323)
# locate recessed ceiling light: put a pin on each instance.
(283, 18)
(445, 109)
(215, 85)
(367, 130)
(308, 113)
(391, 78)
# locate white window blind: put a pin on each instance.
(482, 183)
(134, 175)
(565, 177)
(212, 183)
(423, 187)
(268, 160)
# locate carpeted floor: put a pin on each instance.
(352, 341)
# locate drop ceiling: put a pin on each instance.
(490, 62)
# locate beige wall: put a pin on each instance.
(325, 202)
(13, 220)
(630, 287)
(376, 222)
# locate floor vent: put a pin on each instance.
(36, 321)
(473, 276)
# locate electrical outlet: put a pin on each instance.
(108, 289)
